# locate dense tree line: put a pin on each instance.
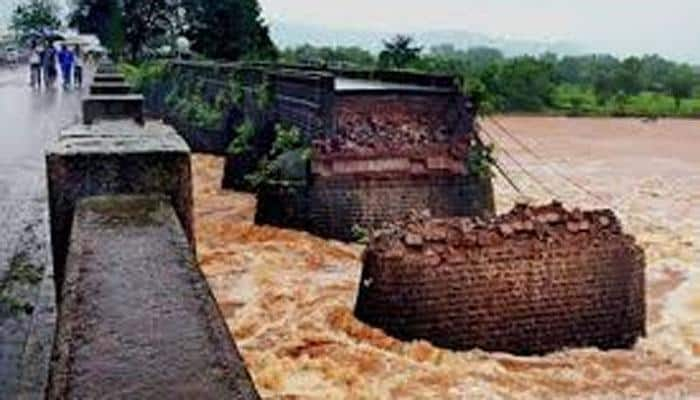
(234, 30)
(34, 15)
(217, 29)
(589, 84)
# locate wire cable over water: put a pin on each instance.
(546, 163)
(519, 165)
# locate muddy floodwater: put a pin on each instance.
(288, 296)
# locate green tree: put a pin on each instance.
(399, 52)
(479, 58)
(654, 71)
(125, 24)
(628, 78)
(354, 56)
(103, 18)
(680, 82)
(336, 56)
(604, 85)
(228, 29)
(520, 84)
(34, 15)
(146, 21)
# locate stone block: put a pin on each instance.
(115, 157)
(109, 77)
(107, 68)
(101, 107)
(155, 331)
(110, 88)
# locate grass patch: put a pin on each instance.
(22, 273)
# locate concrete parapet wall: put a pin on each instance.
(308, 99)
(109, 77)
(137, 319)
(118, 157)
(530, 282)
(107, 68)
(393, 76)
(110, 88)
(304, 101)
(106, 107)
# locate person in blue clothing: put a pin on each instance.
(49, 64)
(66, 60)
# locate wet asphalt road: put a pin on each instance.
(28, 120)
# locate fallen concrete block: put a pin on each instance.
(115, 157)
(101, 107)
(155, 331)
(110, 88)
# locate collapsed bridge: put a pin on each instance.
(373, 144)
(532, 281)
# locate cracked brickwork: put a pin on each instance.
(384, 143)
(532, 281)
(340, 204)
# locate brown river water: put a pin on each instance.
(288, 296)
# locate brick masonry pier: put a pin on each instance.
(533, 281)
(339, 204)
(384, 143)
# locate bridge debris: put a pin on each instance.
(532, 281)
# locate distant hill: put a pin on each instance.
(287, 34)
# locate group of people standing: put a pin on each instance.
(46, 61)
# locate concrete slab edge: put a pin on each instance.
(36, 360)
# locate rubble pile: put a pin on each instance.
(550, 224)
(385, 127)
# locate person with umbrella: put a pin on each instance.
(50, 64)
(66, 60)
(35, 64)
(78, 67)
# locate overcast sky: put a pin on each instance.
(669, 27)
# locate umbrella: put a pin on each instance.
(96, 49)
(52, 35)
(45, 34)
(73, 42)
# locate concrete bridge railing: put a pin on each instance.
(136, 318)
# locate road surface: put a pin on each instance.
(28, 120)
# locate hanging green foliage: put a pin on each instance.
(480, 159)
(244, 138)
